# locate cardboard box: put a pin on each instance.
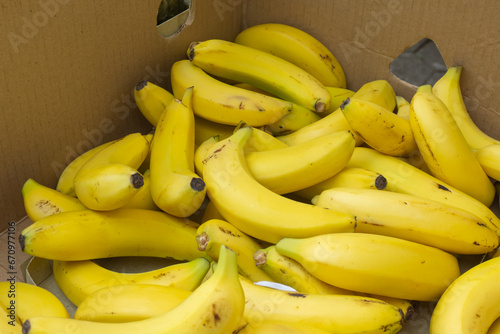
(69, 69)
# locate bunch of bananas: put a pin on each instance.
(264, 167)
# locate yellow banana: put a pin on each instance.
(297, 118)
(214, 307)
(88, 234)
(175, 187)
(375, 264)
(405, 178)
(80, 279)
(303, 165)
(8, 325)
(378, 91)
(448, 89)
(489, 158)
(348, 177)
(222, 103)
(379, 128)
(297, 47)
(211, 213)
(254, 209)
(402, 107)
(129, 302)
(444, 148)
(143, 199)
(470, 304)
(204, 129)
(41, 201)
(109, 179)
(216, 232)
(406, 306)
(412, 218)
(151, 100)
(333, 313)
(338, 96)
(273, 327)
(261, 140)
(260, 69)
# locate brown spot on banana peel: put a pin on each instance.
(223, 230)
(296, 294)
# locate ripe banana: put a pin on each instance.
(88, 234)
(470, 304)
(375, 264)
(80, 279)
(412, 218)
(214, 307)
(273, 327)
(348, 177)
(407, 179)
(110, 178)
(297, 118)
(129, 302)
(338, 96)
(379, 128)
(204, 129)
(303, 165)
(216, 232)
(222, 103)
(211, 213)
(402, 107)
(143, 199)
(287, 81)
(175, 187)
(254, 209)
(489, 158)
(41, 201)
(333, 313)
(297, 47)
(448, 89)
(261, 140)
(151, 100)
(444, 148)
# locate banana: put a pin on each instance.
(405, 178)
(222, 103)
(338, 96)
(201, 152)
(88, 234)
(411, 218)
(204, 129)
(402, 107)
(151, 100)
(348, 177)
(297, 47)
(216, 232)
(211, 213)
(297, 118)
(216, 306)
(175, 187)
(303, 165)
(254, 209)
(470, 304)
(41, 201)
(8, 325)
(143, 199)
(110, 178)
(406, 306)
(285, 270)
(281, 78)
(333, 313)
(448, 89)
(80, 279)
(379, 128)
(444, 148)
(378, 91)
(375, 264)
(489, 158)
(129, 302)
(273, 327)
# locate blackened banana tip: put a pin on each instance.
(26, 327)
(344, 103)
(22, 241)
(141, 85)
(197, 184)
(191, 50)
(137, 180)
(380, 182)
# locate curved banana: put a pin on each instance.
(348, 177)
(375, 264)
(333, 313)
(175, 187)
(379, 128)
(254, 209)
(204, 129)
(216, 232)
(489, 158)
(88, 234)
(201, 152)
(448, 90)
(129, 302)
(412, 218)
(407, 179)
(281, 78)
(378, 91)
(143, 199)
(216, 306)
(297, 118)
(261, 140)
(444, 148)
(303, 165)
(80, 279)
(470, 304)
(287, 271)
(222, 103)
(110, 178)
(297, 47)
(273, 327)
(338, 96)
(402, 107)
(41, 201)
(151, 100)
